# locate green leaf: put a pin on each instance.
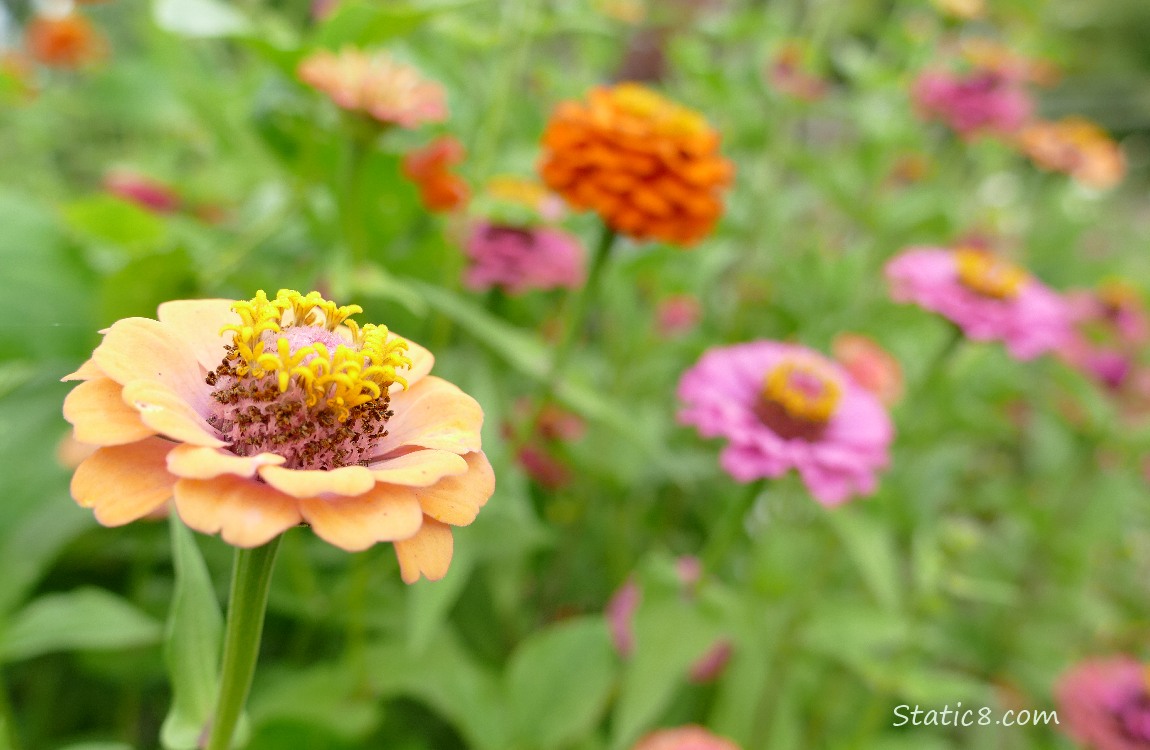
(871, 546)
(670, 635)
(191, 644)
(359, 23)
(558, 682)
(30, 545)
(203, 19)
(83, 619)
(111, 220)
(327, 696)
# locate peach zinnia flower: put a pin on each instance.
(690, 737)
(377, 85)
(259, 415)
(66, 42)
(1077, 147)
(872, 367)
(649, 167)
(430, 169)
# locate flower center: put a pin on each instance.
(993, 277)
(303, 381)
(667, 117)
(799, 397)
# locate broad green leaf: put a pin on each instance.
(670, 635)
(191, 643)
(558, 682)
(200, 18)
(29, 546)
(327, 696)
(870, 544)
(111, 220)
(84, 619)
(361, 24)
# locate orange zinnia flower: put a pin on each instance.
(649, 167)
(430, 169)
(377, 85)
(1076, 146)
(66, 42)
(259, 415)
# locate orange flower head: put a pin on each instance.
(64, 42)
(259, 415)
(1077, 147)
(430, 169)
(649, 167)
(377, 85)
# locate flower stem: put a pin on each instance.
(8, 736)
(944, 356)
(729, 526)
(251, 579)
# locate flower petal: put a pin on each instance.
(124, 483)
(100, 416)
(457, 500)
(166, 412)
(198, 322)
(244, 512)
(428, 553)
(434, 414)
(145, 349)
(198, 462)
(421, 468)
(385, 514)
(302, 483)
(421, 362)
(87, 371)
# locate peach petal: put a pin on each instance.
(87, 371)
(421, 363)
(100, 416)
(457, 500)
(145, 349)
(196, 462)
(386, 514)
(198, 323)
(434, 414)
(167, 413)
(246, 513)
(428, 553)
(421, 468)
(124, 483)
(348, 481)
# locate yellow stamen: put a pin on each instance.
(342, 378)
(982, 272)
(781, 388)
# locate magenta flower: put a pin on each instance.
(1110, 330)
(151, 195)
(690, 737)
(517, 259)
(987, 297)
(1105, 704)
(783, 406)
(985, 101)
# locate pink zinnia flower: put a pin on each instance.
(145, 192)
(377, 85)
(984, 101)
(989, 298)
(677, 315)
(784, 406)
(690, 737)
(517, 259)
(1105, 704)
(1110, 328)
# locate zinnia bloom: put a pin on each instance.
(377, 85)
(517, 259)
(783, 406)
(259, 415)
(1110, 330)
(986, 101)
(430, 169)
(872, 367)
(65, 42)
(145, 192)
(787, 75)
(1077, 147)
(1105, 704)
(677, 315)
(690, 737)
(649, 167)
(987, 297)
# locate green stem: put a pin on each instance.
(251, 579)
(944, 356)
(8, 737)
(730, 526)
